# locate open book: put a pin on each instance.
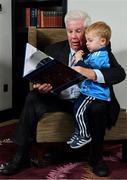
(41, 68)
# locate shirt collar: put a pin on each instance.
(72, 51)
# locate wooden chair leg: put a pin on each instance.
(41, 150)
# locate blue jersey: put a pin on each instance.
(96, 60)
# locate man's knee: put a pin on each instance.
(32, 96)
(97, 108)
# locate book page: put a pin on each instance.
(33, 59)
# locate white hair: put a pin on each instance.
(77, 15)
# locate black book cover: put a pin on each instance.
(41, 68)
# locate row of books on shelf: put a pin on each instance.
(40, 18)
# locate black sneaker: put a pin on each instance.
(79, 142)
(72, 138)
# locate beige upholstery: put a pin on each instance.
(55, 127)
(42, 37)
(58, 126)
(119, 131)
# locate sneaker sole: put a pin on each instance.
(71, 141)
(76, 147)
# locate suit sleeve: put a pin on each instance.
(115, 74)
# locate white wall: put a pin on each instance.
(114, 12)
(5, 55)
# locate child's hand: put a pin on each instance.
(78, 55)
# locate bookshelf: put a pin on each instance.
(39, 13)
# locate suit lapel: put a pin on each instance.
(64, 58)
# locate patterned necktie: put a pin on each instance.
(73, 60)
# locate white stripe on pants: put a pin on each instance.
(81, 117)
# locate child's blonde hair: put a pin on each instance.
(101, 29)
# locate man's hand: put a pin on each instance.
(43, 88)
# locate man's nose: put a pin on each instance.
(73, 35)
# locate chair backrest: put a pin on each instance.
(42, 37)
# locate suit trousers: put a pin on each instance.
(37, 104)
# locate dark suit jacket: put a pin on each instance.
(112, 75)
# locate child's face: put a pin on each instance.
(94, 42)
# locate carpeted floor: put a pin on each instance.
(62, 166)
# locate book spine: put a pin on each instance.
(33, 17)
(38, 18)
(27, 17)
(42, 18)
